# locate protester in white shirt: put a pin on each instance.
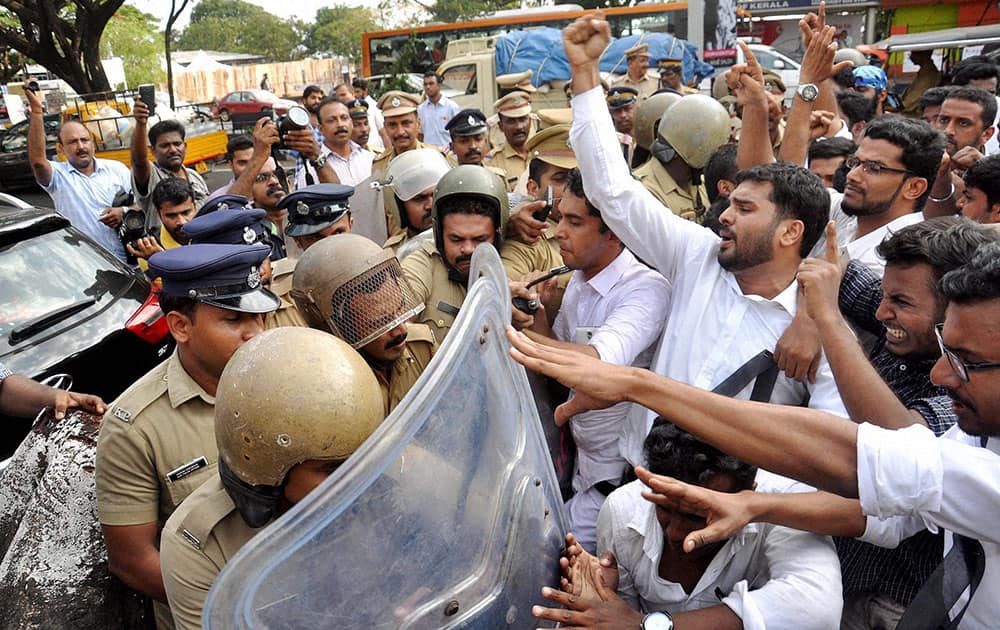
(350, 162)
(83, 188)
(763, 576)
(612, 309)
(435, 112)
(732, 299)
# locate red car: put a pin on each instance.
(249, 103)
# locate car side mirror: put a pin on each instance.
(779, 64)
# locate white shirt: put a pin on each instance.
(433, 118)
(712, 327)
(993, 144)
(909, 480)
(863, 249)
(375, 123)
(81, 198)
(622, 306)
(351, 170)
(772, 577)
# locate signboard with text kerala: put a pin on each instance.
(778, 6)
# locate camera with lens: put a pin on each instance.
(296, 119)
(133, 225)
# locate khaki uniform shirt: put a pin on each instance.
(156, 445)
(396, 240)
(419, 350)
(508, 160)
(427, 274)
(681, 202)
(381, 163)
(197, 541)
(646, 86)
(286, 315)
(520, 259)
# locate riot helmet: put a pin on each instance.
(649, 115)
(694, 127)
(407, 176)
(469, 181)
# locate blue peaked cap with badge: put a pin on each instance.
(468, 122)
(229, 227)
(314, 208)
(232, 202)
(226, 276)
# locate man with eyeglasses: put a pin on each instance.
(890, 387)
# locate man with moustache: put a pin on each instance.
(360, 126)
(83, 187)
(169, 150)
(350, 162)
(409, 194)
(353, 289)
(469, 140)
(612, 309)
(514, 114)
(733, 296)
(470, 207)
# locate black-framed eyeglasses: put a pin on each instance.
(960, 367)
(264, 176)
(873, 168)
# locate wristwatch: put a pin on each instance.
(808, 92)
(658, 620)
(318, 163)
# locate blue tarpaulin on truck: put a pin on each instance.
(541, 51)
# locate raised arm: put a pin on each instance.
(40, 166)
(141, 166)
(747, 83)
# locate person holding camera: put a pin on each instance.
(83, 188)
(174, 202)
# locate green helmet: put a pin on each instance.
(695, 126)
(649, 115)
(469, 180)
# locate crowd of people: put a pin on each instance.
(774, 316)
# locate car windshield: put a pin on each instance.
(53, 272)
(16, 138)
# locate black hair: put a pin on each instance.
(934, 96)
(844, 78)
(181, 303)
(826, 148)
(676, 453)
(431, 73)
(986, 101)
(165, 126)
(721, 165)
(310, 90)
(329, 100)
(361, 84)
(985, 176)
(976, 281)
(974, 69)
(944, 243)
(797, 194)
(714, 212)
(921, 145)
(239, 142)
(855, 107)
(172, 190)
(574, 184)
(536, 169)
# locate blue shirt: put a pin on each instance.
(433, 118)
(81, 198)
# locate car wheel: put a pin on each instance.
(224, 115)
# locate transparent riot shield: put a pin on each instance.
(449, 515)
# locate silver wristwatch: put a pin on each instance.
(808, 92)
(318, 163)
(658, 620)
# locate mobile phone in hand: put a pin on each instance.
(147, 95)
(542, 213)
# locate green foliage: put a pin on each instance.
(337, 30)
(400, 69)
(455, 10)
(238, 26)
(135, 37)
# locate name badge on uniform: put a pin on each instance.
(584, 334)
(184, 470)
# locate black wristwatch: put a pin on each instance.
(658, 620)
(318, 163)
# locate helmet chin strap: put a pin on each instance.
(662, 151)
(256, 504)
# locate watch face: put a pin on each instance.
(657, 621)
(809, 92)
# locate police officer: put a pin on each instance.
(156, 441)
(470, 207)
(317, 211)
(271, 453)
(688, 133)
(672, 76)
(637, 76)
(622, 103)
(514, 120)
(647, 119)
(360, 127)
(352, 288)
(408, 193)
(245, 226)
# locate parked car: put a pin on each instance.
(244, 103)
(15, 171)
(69, 307)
